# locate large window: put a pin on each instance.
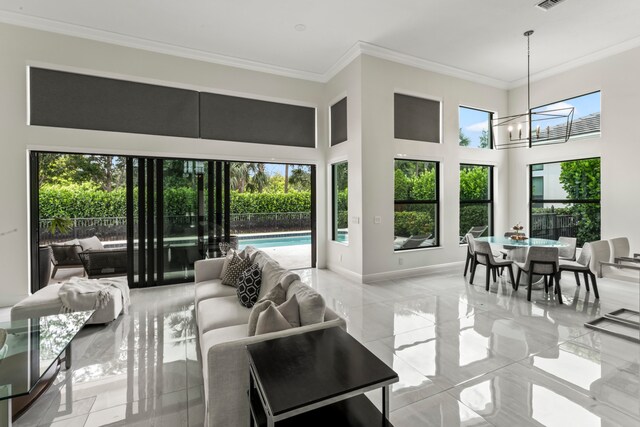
(340, 212)
(586, 117)
(475, 128)
(565, 200)
(476, 200)
(416, 204)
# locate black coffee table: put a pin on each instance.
(316, 378)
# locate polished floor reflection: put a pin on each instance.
(465, 357)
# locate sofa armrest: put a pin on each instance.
(227, 375)
(208, 269)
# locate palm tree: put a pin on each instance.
(260, 179)
(240, 176)
(286, 177)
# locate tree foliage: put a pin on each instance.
(581, 181)
(464, 139)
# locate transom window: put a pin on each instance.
(475, 128)
(586, 117)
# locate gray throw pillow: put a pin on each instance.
(312, 305)
(91, 244)
(249, 285)
(258, 308)
(271, 320)
(291, 311)
(277, 295)
(236, 266)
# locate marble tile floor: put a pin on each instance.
(465, 357)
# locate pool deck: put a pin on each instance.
(291, 257)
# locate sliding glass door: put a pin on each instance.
(153, 218)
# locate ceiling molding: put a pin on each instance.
(153, 46)
(587, 59)
(424, 64)
(352, 53)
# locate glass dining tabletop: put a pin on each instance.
(32, 346)
(527, 243)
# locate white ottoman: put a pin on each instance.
(46, 302)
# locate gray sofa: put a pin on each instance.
(223, 333)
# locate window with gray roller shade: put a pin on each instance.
(417, 119)
(339, 122)
(231, 118)
(70, 100)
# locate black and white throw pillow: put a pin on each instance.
(249, 285)
(236, 266)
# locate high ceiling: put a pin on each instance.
(483, 37)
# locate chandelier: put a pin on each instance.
(541, 126)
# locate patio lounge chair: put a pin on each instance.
(475, 231)
(413, 242)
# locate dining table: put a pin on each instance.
(517, 250)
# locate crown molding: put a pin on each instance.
(359, 48)
(424, 64)
(153, 46)
(571, 65)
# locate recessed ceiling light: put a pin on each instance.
(300, 27)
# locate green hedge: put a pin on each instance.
(87, 201)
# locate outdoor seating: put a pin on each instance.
(475, 232)
(65, 255)
(104, 262)
(582, 265)
(413, 242)
(484, 255)
(542, 261)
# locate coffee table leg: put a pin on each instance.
(5, 413)
(67, 357)
(385, 402)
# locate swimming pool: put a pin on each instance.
(272, 242)
(282, 240)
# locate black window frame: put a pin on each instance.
(489, 201)
(435, 202)
(490, 128)
(543, 201)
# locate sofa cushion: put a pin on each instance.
(271, 320)
(249, 285)
(271, 274)
(91, 244)
(312, 305)
(212, 289)
(66, 255)
(287, 279)
(220, 312)
(277, 295)
(236, 266)
(261, 259)
(258, 308)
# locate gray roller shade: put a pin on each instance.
(417, 119)
(70, 100)
(339, 122)
(231, 118)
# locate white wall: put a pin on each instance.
(380, 80)
(618, 145)
(21, 47)
(347, 258)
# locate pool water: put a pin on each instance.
(272, 242)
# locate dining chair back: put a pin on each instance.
(619, 248)
(582, 265)
(585, 255)
(544, 260)
(470, 252)
(600, 252)
(568, 251)
(484, 255)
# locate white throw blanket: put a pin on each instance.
(80, 294)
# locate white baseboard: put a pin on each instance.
(410, 272)
(346, 273)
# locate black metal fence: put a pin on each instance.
(551, 225)
(115, 228)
